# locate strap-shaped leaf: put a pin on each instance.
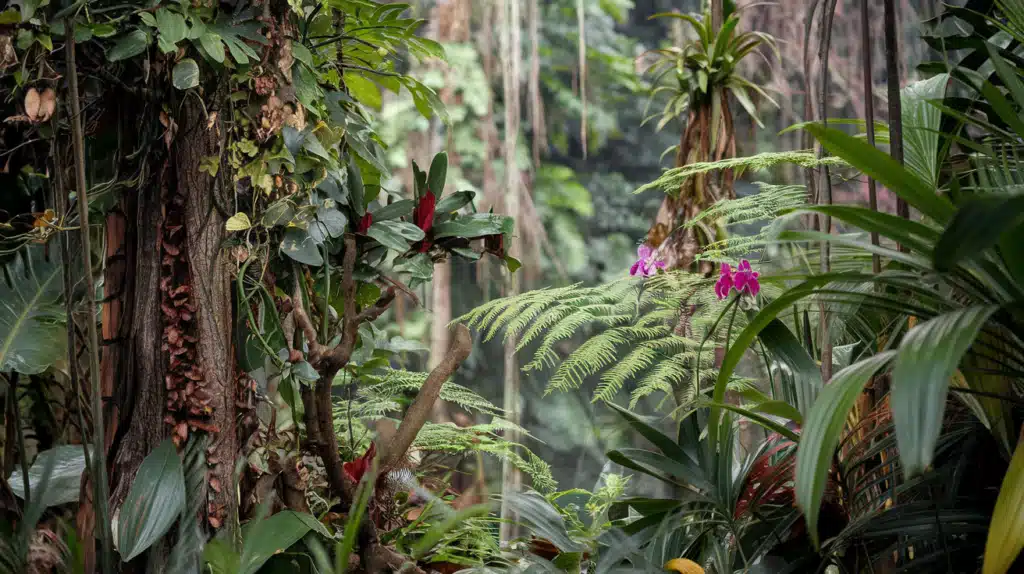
(927, 358)
(977, 225)
(154, 502)
(1006, 534)
(885, 170)
(786, 348)
(30, 289)
(438, 174)
(665, 444)
(820, 436)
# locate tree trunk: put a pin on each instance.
(209, 272)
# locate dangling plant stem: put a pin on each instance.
(825, 49)
(12, 390)
(869, 116)
(892, 79)
(99, 468)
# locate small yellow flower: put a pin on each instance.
(684, 566)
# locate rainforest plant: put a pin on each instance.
(699, 80)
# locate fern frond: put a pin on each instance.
(447, 437)
(671, 181)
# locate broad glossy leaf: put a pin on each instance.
(822, 430)
(363, 90)
(213, 46)
(298, 245)
(129, 45)
(185, 74)
(454, 201)
(388, 236)
(154, 502)
(418, 266)
(171, 27)
(886, 171)
(977, 226)
(329, 222)
(400, 208)
(65, 481)
(476, 225)
(927, 358)
(438, 173)
(31, 336)
(273, 535)
(1006, 533)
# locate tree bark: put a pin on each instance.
(209, 271)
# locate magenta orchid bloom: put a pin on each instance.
(743, 280)
(725, 282)
(645, 265)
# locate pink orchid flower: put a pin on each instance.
(743, 280)
(645, 265)
(725, 282)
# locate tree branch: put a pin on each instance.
(419, 412)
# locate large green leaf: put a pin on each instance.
(171, 27)
(978, 224)
(129, 45)
(438, 173)
(476, 225)
(31, 334)
(885, 170)
(65, 481)
(921, 121)
(928, 356)
(400, 208)
(1006, 533)
(154, 502)
(276, 534)
(821, 433)
(185, 74)
(786, 348)
(454, 201)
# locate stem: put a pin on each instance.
(12, 388)
(99, 476)
(826, 185)
(869, 117)
(892, 75)
(327, 295)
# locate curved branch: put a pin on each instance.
(419, 412)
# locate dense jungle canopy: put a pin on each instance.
(703, 286)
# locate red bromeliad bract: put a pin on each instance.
(358, 467)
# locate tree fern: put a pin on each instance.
(637, 332)
(671, 181)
